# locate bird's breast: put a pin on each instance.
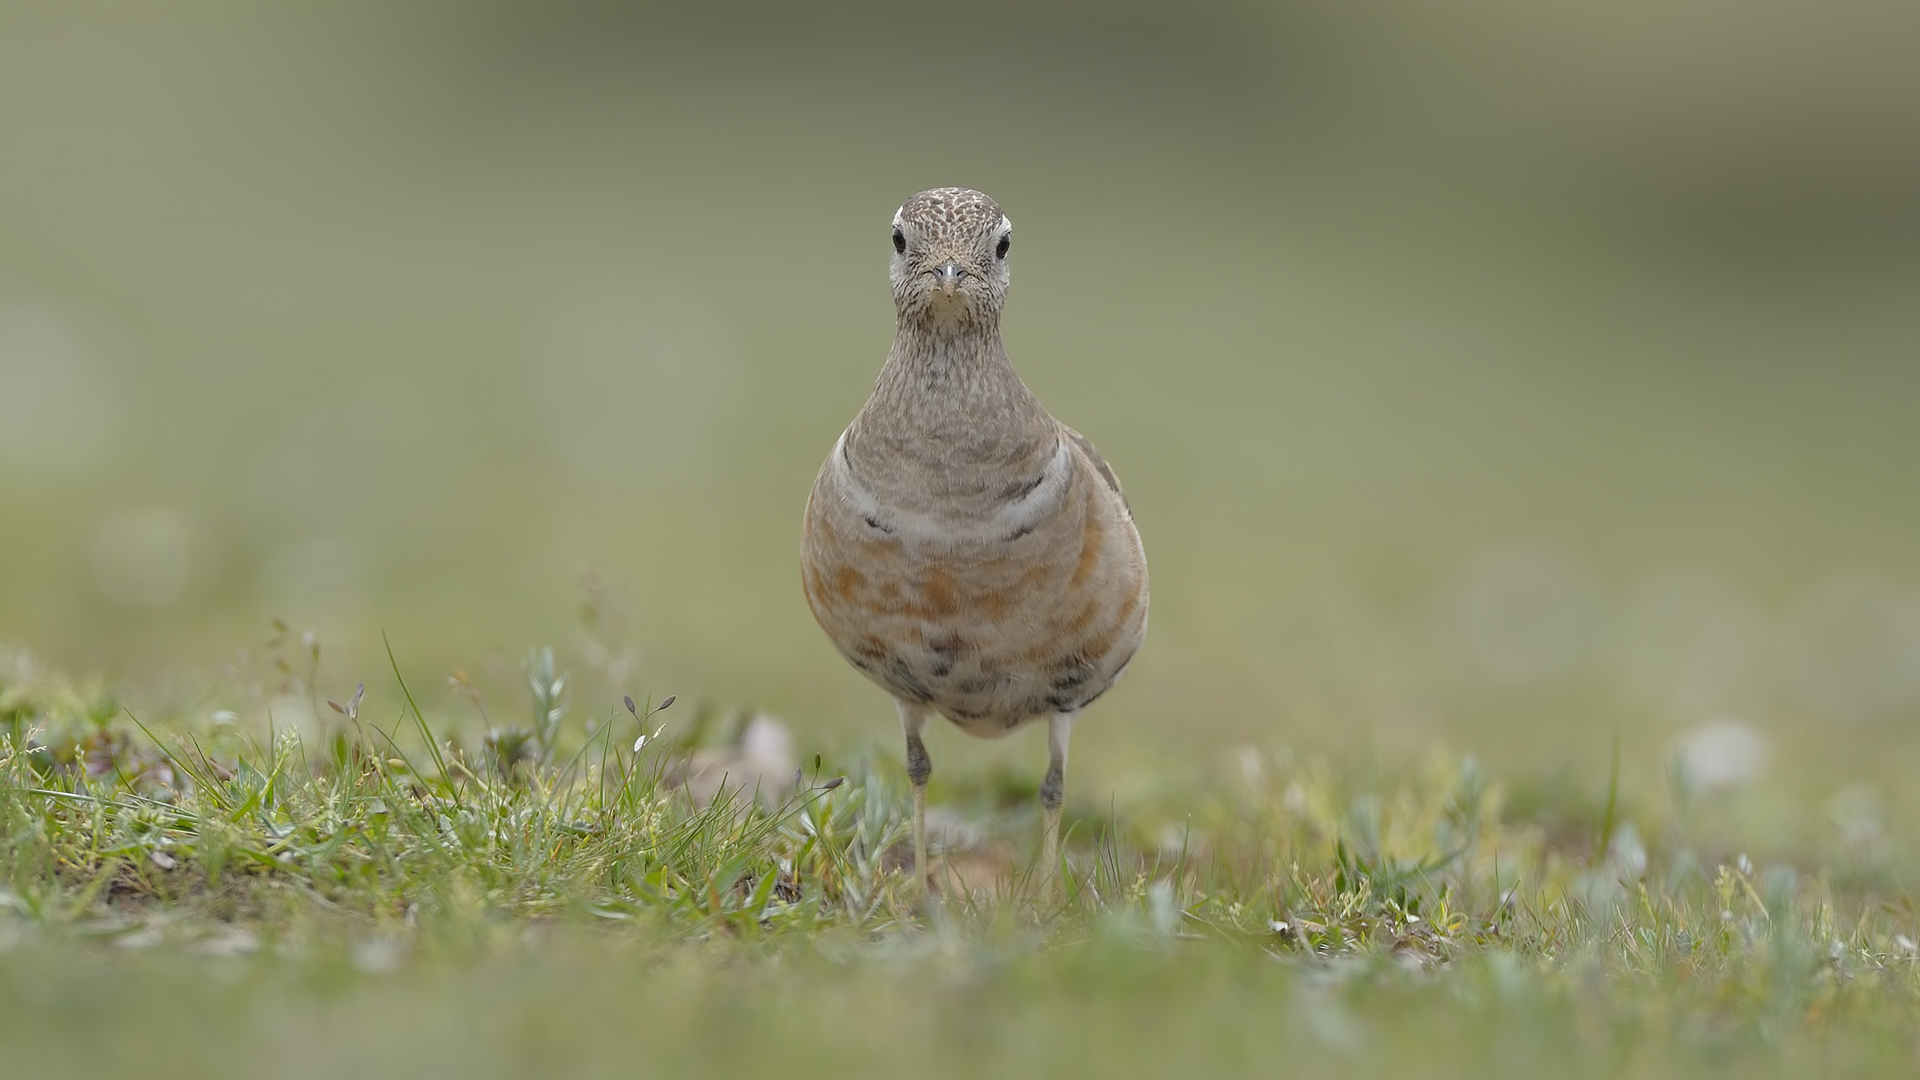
(994, 600)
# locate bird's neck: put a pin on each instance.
(949, 390)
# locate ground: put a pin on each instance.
(384, 897)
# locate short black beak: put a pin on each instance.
(950, 275)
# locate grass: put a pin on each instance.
(208, 899)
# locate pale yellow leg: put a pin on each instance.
(920, 837)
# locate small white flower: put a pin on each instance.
(644, 738)
(1725, 753)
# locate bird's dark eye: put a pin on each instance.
(1000, 249)
(899, 241)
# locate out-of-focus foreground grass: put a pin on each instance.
(1496, 382)
(389, 898)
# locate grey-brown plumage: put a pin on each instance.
(962, 548)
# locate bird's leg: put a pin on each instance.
(1052, 793)
(913, 719)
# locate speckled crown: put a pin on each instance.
(952, 206)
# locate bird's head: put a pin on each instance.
(950, 257)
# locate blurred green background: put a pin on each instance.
(1489, 375)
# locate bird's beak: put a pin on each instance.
(949, 276)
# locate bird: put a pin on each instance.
(961, 548)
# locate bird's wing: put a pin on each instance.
(1099, 464)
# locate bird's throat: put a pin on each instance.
(954, 392)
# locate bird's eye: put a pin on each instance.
(1000, 249)
(899, 241)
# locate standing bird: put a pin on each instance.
(962, 548)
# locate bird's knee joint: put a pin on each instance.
(919, 765)
(1053, 789)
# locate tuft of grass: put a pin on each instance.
(1296, 912)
